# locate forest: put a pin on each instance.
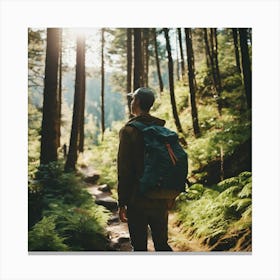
(78, 80)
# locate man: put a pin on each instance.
(134, 208)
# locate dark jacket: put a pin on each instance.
(131, 165)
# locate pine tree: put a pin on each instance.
(192, 83)
(49, 131)
(171, 82)
(246, 65)
(78, 105)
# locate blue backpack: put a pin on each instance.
(165, 162)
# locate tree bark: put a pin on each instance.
(77, 110)
(192, 83)
(181, 52)
(81, 135)
(59, 101)
(129, 68)
(213, 70)
(49, 132)
(137, 77)
(215, 53)
(145, 58)
(171, 82)
(246, 65)
(236, 49)
(157, 61)
(177, 59)
(102, 84)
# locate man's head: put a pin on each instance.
(142, 100)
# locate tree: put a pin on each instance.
(83, 96)
(181, 52)
(138, 74)
(78, 104)
(129, 67)
(236, 48)
(157, 60)
(102, 84)
(192, 83)
(214, 45)
(49, 132)
(211, 56)
(145, 55)
(246, 65)
(59, 101)
(171, 82)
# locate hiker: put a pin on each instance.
(134, 208)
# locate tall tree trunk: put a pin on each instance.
(145, 58)
(59, 100)
(77, 110)
(177, 59)
(192, 83)
(157, 61)
(102, 84)
(213, 70)
(181, 52)
(171, 82)
(137, 77)
(215, 53)
(246, 65)
(81, 135)
(129, 68)
(236, 49)
(49, 132)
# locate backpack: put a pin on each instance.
(165, 162)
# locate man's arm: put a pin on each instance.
(125, 166)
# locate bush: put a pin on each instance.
(83, 229)
(70, 220)
(43, 237)
(209, 213)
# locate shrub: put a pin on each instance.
(43, 237)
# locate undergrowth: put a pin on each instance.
(210, 213)
(62, 214)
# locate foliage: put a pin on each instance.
(217, 210)
(43, 237)
(75, 220)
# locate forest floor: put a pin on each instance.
(118, 231)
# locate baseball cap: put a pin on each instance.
(146, 96)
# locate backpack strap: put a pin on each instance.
(138, 125)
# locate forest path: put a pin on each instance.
(118, 231)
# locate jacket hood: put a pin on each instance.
(148, 119)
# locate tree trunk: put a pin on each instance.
(81, 135)
(192, 83)
(213, 70)
(171, 82)
(137, 78)
(102, 84)
(236, 49)
(49, 132)
(59, 100)
(129, 67)
(157, 61)
(215, 52)
(177, 59)
(77, 110)
(145, 58)
(181, 52)
(246, 65)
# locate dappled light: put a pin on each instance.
(78, 108)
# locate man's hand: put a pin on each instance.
(122, 214)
